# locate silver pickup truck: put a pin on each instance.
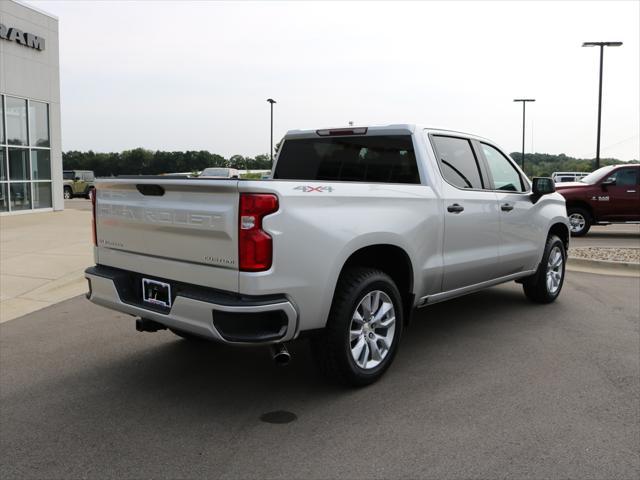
(357, 228)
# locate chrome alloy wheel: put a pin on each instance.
(373, 326)
(577, 222)
(554, 270)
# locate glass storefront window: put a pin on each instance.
(16, 117)
(20, 196)
(18, 164)
(4, 200)
(41, 194)
(40, 165)
(38, 124)
(1, 119)
(25, 155)
(3, 162)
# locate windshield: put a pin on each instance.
(68, 175)
(593, 177)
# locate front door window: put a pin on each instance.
(505, 176)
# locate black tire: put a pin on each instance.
(332, 347)
(68, 193)
(188, 336)
(578, 214)
(536, 287)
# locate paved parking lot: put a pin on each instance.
(619, 235)
(487, 386)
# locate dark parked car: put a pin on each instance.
(608, 195)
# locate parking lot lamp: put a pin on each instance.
(524, 103)
(601, 45)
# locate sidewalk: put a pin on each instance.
(42, 260)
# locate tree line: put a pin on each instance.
(544, 164)
(140, 161)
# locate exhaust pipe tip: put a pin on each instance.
(281, 355)
(146, 325)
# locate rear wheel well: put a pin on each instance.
(561, 230)
(393, 261)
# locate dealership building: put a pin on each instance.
(30, 146)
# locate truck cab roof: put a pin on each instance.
(391, 129)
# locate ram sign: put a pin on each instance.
(27, 39)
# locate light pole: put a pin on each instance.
(271, 101)
(524, 104)
(601, 45)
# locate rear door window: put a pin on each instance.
(371, 159)
(457, 162)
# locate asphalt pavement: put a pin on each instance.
(485, 386)
(615, 235)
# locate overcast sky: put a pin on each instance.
(179, 75)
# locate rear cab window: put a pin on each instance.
(369, 159)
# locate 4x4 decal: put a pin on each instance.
(309, 188)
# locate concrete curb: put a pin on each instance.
(604, 267)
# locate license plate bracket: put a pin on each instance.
(156, 293)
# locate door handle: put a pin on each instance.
(455, 208)
(631, 191)
(506, 207)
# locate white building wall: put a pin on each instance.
(35, 74)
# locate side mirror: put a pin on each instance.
(609, 182)
(542, 186)
(77, 179)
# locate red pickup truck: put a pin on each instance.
(608, 195)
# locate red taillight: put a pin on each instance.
(255, 247)
(92, 194)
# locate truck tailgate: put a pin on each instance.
(167, 225)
